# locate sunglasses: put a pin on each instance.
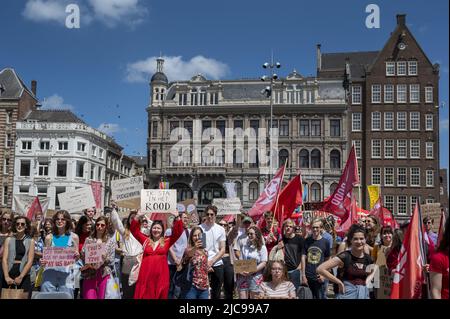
(100, 225)
(6, 220)
(210, 214)
(20, 224)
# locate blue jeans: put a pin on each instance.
(54, 280)
(324, 289)
(295, 276)
(196, 293)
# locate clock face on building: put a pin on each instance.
(401, 46)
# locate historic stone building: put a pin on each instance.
(310, 114)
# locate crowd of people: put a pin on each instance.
(143, 260)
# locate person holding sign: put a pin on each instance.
(153, 279)
(252, 247)
(97, 272)
(18, 255)
(60, 278)
(276, 284)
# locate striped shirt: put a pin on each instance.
(283, 290)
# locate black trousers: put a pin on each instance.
(316, 288)
(228, 278)
(216, 281)
(172, 272)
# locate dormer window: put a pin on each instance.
(194, 97)
(182, 99)
(214, 98)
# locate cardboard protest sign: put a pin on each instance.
(58, 256)
(384, 291)
(94, 253)
(189, 206)
(241, 266)
(78, 200)
(432, 210)
(126, 192)
(163, 201)
(227, 206)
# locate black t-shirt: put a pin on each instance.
(316, 251)
(355, 268)
(293, 248)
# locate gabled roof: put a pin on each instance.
(12, 86)
(55, 116)
(359, 62)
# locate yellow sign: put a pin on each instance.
(374, 194)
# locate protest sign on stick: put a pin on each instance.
(94, 253)
(227, 206)
(58, 256)
(163, 201)
(126, 192)
(78, 200)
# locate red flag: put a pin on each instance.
(384, 215)
(441, 228)
(228, 218)
(408, 276)
(351, 219)
(268, 197)
(34, 209)
(289, 199)
(337, 204)
(97, 191)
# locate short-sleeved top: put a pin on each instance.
(316, 251)
(214, 235)
(283, 290)
(439, 264)
(179, 247)
(293, 249)
(355, 268)
(249, 251)
(329, 238)
(199, 263)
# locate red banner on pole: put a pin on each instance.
(97, 191)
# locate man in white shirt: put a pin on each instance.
(215, 245)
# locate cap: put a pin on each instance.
(247, 219)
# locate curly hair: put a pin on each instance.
(267, 275)
(355, 228)
(259, 242)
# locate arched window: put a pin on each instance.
(174, 158)
(209, 192)
(304, 159)
(283, 157)
(220, 157)
(154, 156)
(315, 192)
(187, 157)
(237, 158)
(253, 191)
(315, 158)
(335, 159)
(206, 157)
(239, 190)
(253, 159)
(333, 188)
(183, 191)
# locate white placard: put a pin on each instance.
(78, 200)
(159, 201)
(126, 188)
(227, 206)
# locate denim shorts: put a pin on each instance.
(252, 283)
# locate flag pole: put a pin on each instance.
(423, 251)
(278, 195)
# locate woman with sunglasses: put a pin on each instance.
(153, 279)
(251, 247)
(97, 275)
(61, 278)
(5, 231)
(18, 256)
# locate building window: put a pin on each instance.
(401, 68)
(401, 93)
(376, 93)
(220, 126)
(402, 149)
(253, 159)
(429, 94)
(202, 100)
(8, 142)
(412, 203)
(283, 157)
(239, 127)
(42, 191)
(390, 68)
(388, 93)
(333, 188)
(430, 178)
(310, 97)
(45, 146)
(92, 172)
(81, 147)
(5, 195)
(415, 176)
(63, 146)
(237, 158)
(284, 128)
(154, 129)
(414, 121)
(182, 99)
(401, 176)
(376, 121)
(335, 128)
(429, 146)
(316, 192)
(429, 200)
(99, 175)
(335, 159)
(94, 151)
(357, 145)
(24, 189)
(389, 202)
(154, 156)
(214, 98)
(414, 149)
(388, 121)
(429, 122)
(43, 168)
(356, 94)
(402, 203)
(414, 93)
(6, 166)
(315, 159)
(9, 117)
(206, 129)
(304, 127)
(401, 121)
(253, 191)
(376, 175)
(26, 145)
(80, 169)
(316, 128)
(388, 176)
(304, 158)
(376, 148)
(100, 153)
(25, 168)
(412, 67)
(356, 122)
(388, 148)
(239, 189)
(61, 169)
(173, 125)
(194, 97)
(254, 125)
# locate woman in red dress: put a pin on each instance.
(153, 280)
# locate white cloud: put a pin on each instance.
(444, 124)
(109, 128)
(45, 10)
(112, 12)
(55, 102)
(176, 68)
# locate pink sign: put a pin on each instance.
(58, 256)
(97, 191)
(94, 253)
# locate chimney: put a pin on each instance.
(33, 86)
(319, 57)
(401, 19)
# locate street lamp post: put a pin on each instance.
(267, 91)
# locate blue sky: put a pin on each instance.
(101, 70)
